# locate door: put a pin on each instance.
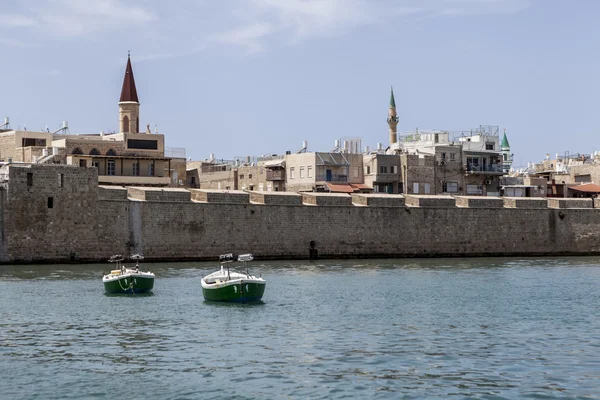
(328, 175)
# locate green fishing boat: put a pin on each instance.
(232, 286)
(128, 280)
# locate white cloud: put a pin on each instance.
(77, 17)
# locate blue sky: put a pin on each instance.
(252, 77)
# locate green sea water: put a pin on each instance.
(483, 328)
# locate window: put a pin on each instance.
(394, 169)
(583, 178)
(125, 124)
(489, 146)
(142, 144)
(82, 163)
(96, 164)
(110, 167)
(368, 172)
(452, 156)
(436, 138)
(383, 169)
(249, 176)
(29, 179)
(151, 169)
(427, 188)
(504, 156)
(310, 175)
(242, 176)
(450, 187)
(443, 156)
(474, 189)
(415, 188)
(50, 202)
(111, 153)
(136, 169)
(94, 152)
(27, 142)
(261, 186)
(77, 150)
(301, 172)
(291, 172)
(61, 180)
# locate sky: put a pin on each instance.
(243, 78)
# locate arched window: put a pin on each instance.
(126, 124)
(94, 152)
(137, 125)
(111, 153)
(77, 150)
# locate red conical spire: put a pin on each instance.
(129, 93)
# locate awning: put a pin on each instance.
(587, 188)
(275, 163)
(340, 187)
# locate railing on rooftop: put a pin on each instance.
(332, 178)
(485, 168)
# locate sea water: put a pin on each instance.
(501, 328)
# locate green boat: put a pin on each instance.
(231, 286)
(128, 280)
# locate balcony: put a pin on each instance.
(275, 174)
(488, 169)
(332, 178)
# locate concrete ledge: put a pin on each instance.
(525, 202)
(378, 200)
(430, 201)
(112, 192)
(278, 198)
(326, 199)
(596, 203)
(479, 202)
(220, 196)
(570, 203)
(159, 194)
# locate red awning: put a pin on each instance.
(588, 188)
(340, 187)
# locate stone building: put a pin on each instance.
(128, 157)
(382, 172)
(468, 162)
(228, 175)
(324, 172)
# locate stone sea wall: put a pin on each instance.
(84, 222)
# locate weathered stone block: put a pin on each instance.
(378, 200)
(326, 199)
(525, 202)
(430, 201)
(570, 203)
(220, 196)
(159, 194)
(112, 193)
(479, 202)
(279, 198)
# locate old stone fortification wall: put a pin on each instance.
(90, 223)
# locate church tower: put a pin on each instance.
(506, 156)
(129, 105)
(393, 119)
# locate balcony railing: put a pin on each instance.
(275, 175)
(489, 168)
(332, 178)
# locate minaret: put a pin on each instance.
(129, 105)
(506, 156)
(393, 119)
